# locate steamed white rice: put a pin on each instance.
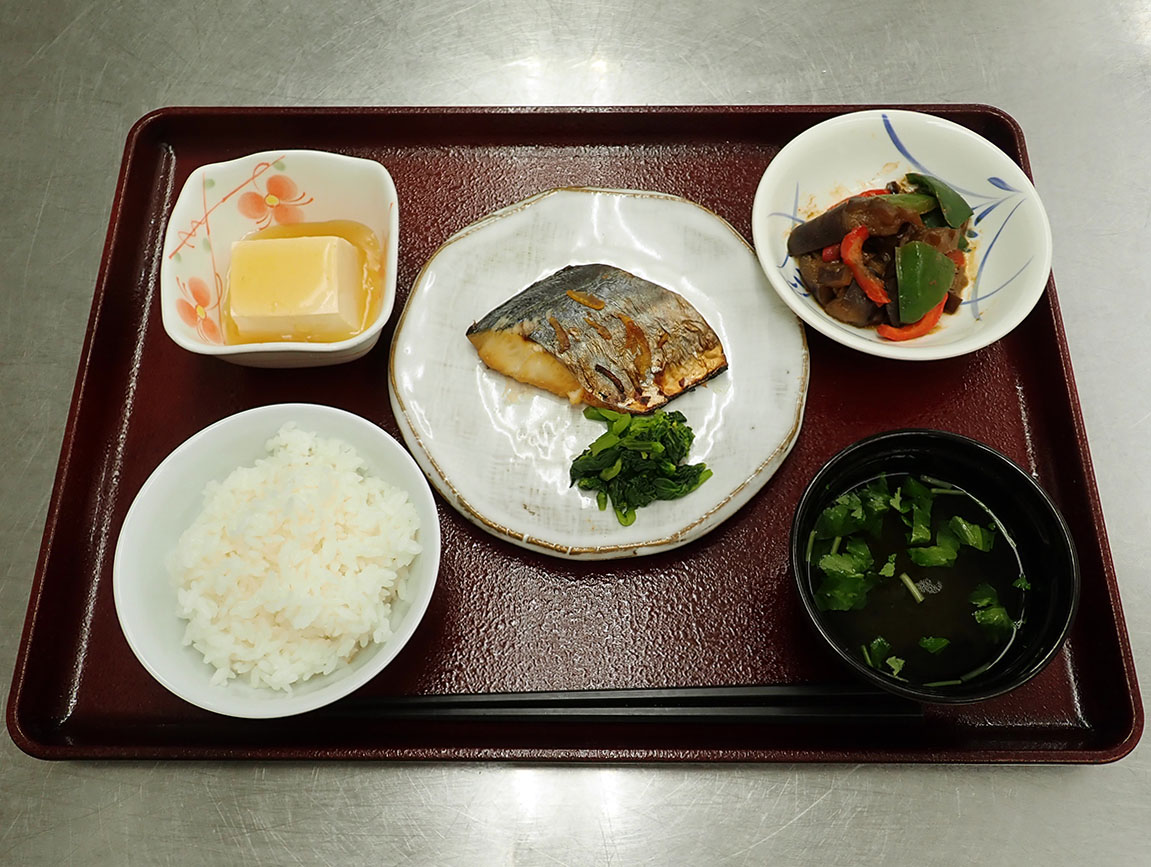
(293, 563)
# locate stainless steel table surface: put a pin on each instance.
(75, 75)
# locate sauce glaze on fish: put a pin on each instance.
(599, 335)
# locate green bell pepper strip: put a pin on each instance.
(924, 275)
(955, 209)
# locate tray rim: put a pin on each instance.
(16, 730)
(144, 126)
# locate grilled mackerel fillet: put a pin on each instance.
(598, 335)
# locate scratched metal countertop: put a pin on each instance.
(75, 75)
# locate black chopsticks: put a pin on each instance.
(805, 703)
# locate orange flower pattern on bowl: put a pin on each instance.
(199, 308)
(281, 202)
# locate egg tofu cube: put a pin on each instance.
(296, 289)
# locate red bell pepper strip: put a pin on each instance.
(851, 250)
(830, 253)
(915, 329)
(958, 258)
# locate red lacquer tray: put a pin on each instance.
(722, 611)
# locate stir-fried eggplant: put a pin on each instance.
(856, 261)
(882, 215)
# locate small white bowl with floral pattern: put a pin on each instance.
(221, 203)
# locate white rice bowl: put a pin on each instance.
(222, 588)
(293, 563)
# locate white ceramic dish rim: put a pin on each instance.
(993, 329)
(285, 704)
(727, 507)
(371, 333)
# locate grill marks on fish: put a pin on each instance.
(599, 335)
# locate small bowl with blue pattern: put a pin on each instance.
(1008, 260)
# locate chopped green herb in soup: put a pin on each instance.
(917, 579)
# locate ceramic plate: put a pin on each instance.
(500, 452)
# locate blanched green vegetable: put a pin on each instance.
(638, 460)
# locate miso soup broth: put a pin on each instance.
(917, 579)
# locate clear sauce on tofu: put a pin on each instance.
(317, 283)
